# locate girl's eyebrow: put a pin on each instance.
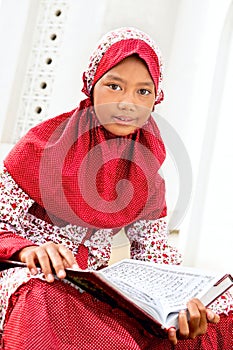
(114, 77)
(119, 79)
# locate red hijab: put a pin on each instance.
(82, 174)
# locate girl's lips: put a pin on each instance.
(123, 120)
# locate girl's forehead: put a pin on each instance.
(132, 66)
(129, 41)
(131, 61)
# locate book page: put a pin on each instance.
(150, 305)
(170, 286)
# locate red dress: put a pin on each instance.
(39, 315)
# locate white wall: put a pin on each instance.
(15, 43)
(194, 94)
(215, 234)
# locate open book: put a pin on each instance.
(152, 293)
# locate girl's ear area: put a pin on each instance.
(153, 108)
(92, 95)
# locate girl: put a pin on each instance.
(68, 186)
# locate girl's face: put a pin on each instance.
(124, 97)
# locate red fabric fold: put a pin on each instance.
(82, 257)
(11, 243)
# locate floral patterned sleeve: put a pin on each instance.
(13, 203)
(149, 242)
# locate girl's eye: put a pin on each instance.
(114, 87)
(144, 92)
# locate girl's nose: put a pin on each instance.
(127, 104)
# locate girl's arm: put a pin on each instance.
(15, 234)
(10, 243)
(13, 204)
(149, 242)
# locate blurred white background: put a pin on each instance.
(45, 46)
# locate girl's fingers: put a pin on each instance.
(68, 257)
(44, 261)
(212, 317)
(65, 263)
(172, 336)
(56, 255)
(28, 256)
(51, 257)
(198, 320)
(183, 324)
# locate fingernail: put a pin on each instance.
(76, 267)
(61, 274)
(210, 315)
(50, 277)
(182, 312)
(33, 271)
(172, 332)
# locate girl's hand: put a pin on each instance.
(199, 317)
(49, 256)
